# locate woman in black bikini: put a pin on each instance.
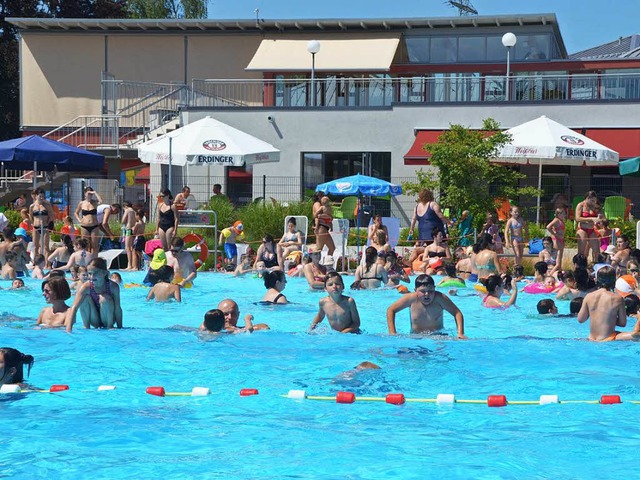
(275, 282)
(167, 219)
(267, 252)
(42, 215)
(371, 274)
(87, 215)
(437, 250)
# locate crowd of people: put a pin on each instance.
(605, 293)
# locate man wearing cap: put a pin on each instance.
(229, 236)
(605, 310)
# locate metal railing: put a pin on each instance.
(344, 92)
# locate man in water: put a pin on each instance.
(184, 267)
(426, 308)
(232, 314)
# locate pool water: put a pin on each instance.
(127, 433)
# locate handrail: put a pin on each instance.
(101, 116)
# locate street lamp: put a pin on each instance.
(313, 47)
(508, 40)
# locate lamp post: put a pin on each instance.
(508, 40)
(313, 47)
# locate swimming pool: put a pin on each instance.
(125, 432)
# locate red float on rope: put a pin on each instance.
(58, 388)
(395, 398)
(157, 391)
(247, 392)
(497, 401)
(610, 399)
(345, 397)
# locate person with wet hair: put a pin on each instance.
(55, 291)
(605, 310)
(275, 282)
(12, 363)
(495, 288)
(426, 307)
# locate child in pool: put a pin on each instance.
(495, 288)
(214, 322)
(116, 277)
(547, 307)
(518, 273)
(605, 310)
(55, 291)
(163, 289)
(17, 284)
(450, 270)
(569, 290)
(340, 310)
(245, 265)
(80, 275)
(39, 263)
(11, 366)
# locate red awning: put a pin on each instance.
(625, 141)
(416, 154)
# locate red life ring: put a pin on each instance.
(199, 243)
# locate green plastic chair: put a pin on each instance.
(614, 207)
(346, 208)
(574, 204)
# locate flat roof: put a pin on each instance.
(297, 25)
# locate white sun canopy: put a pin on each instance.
(207, 142)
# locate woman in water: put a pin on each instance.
(87, 215)
(167, 219)
(371, 274)
(267, 252)
(549, 255)
(485, 262)
(495, 288)
(439, 249)
(275, 282)
(587, 212)
(60, 256)
(55, 291)
(97, 300)
(11, 366)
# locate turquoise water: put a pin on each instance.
(126, 433)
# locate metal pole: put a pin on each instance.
(506, 98)
(170, 162)
(313, 89)
(539, 188)
(35, 174)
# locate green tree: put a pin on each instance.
(168, 8)
(465, 177)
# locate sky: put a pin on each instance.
(583, 23)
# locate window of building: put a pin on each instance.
(418, 49)
(533, 48)
(444, 50)
(455, 87)
(621, 84)
(472, 49)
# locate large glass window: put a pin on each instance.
(454, 87)
(532, 47)
(418, 49)
(534, 86)
(621, 84)
(472, 49)
(444, 50)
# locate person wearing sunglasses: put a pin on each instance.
(184, 267)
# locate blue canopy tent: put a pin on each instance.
(359, 185)
(37, 153)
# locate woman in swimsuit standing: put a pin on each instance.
(485, 262)
(516, 233)
(167, 219)
(41, 215)
(371, 274)
(587, 212)
(97, 300)
(428, 215)
(322, 216)
(87, 215)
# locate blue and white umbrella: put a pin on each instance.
(360, 185)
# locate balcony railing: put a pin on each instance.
(344, 92)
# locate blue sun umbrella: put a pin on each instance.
(360, 185)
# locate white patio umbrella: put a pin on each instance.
(545, 142)
(207, 142)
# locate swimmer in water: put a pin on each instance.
(495, 288)
(426, 309)
(340, 310)
(55, 291)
